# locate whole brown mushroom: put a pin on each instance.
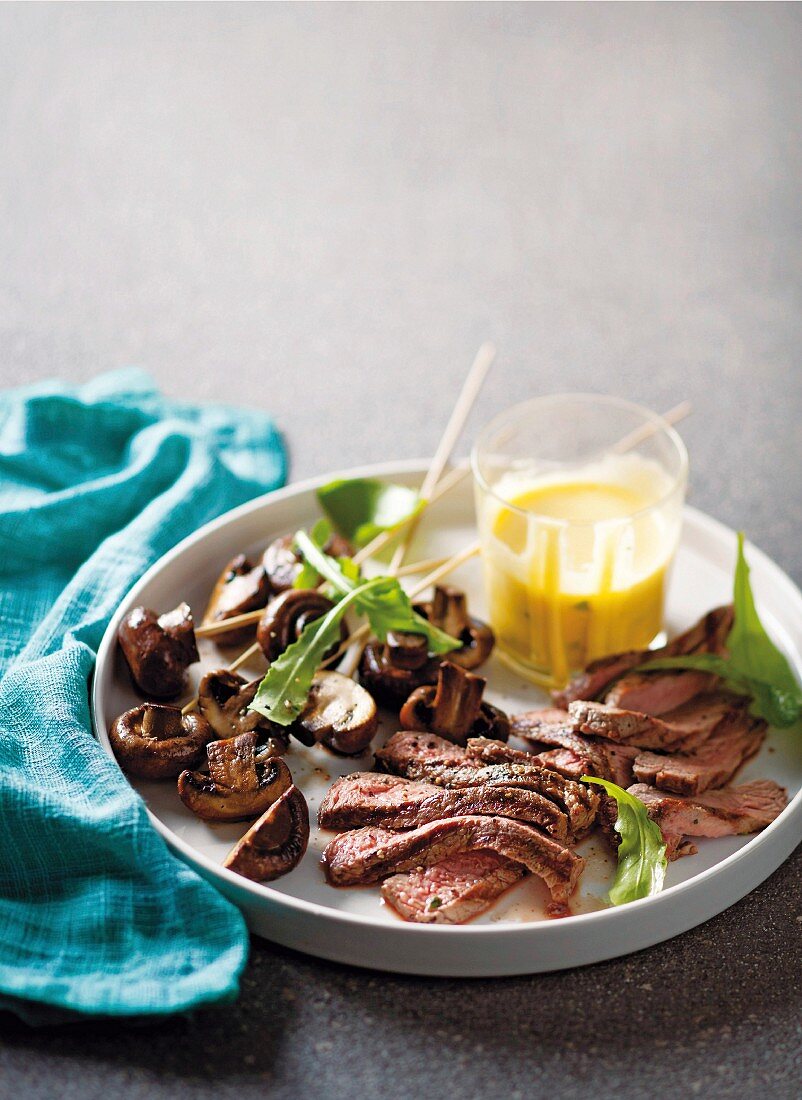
(286, 616)
(282, 565)
(390, 670)
(454, 709)
(275, 843)
(448, 610)
(239, 785)
(224, 698)
(241, 587)
(158, 649)
(157, 742)
(339, 713)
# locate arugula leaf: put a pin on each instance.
(308, 577)
(387, 606)
(362, 507)
(755, 665)
(283, 692)
(642, 852)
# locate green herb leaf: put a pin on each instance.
(308, 577)
(362, 507)
(755, 666)
(283, 692)
(642, 852)
(323, 565)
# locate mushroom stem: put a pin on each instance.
(457, 701)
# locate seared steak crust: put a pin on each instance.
(575, 754)
(682, 729)
(371, 798)
(445, 768)
(453, 891)
(369, 855)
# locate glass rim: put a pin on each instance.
(679, 481)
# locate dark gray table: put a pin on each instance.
(323, 211)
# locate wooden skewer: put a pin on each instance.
(673, 416)
(465, 402)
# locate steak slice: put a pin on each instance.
(684, 728)
(730, 811)
(454, 891)
(365, 856)
(440, 765)
(371, 798)
(709, 635)
(656, 693)
(484, 750)
(407, 749)
(711, 765)
(575, 754)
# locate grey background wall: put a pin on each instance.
(323, 210)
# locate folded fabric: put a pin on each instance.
(96, 483)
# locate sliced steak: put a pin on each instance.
(726, 812)
(454, 891)
(370, 798)
(709, 635)
(711, 765)
(407, 749)
(369, 855)
(576, 754)
(484, 750)
(656, 693)
(440, 766)
(684, 728)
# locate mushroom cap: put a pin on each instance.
(158, 649)
(286, 616)
(448, 611)
(389, 683)
(453, 708)
(276, 842)
(223, 700)
(239, 785)
(241, 587)
(339, 713)
(157, 742)
(282, 565)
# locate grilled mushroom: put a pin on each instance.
(224, 698)
(448, 610)
(155, 742)
(454, 709)
(391, 670)
(158, 649)
(276, 842)
(239, 785)
(286, 616)
(339, 713)
(241, 587)
(282, 565)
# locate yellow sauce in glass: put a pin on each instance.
(580, 571)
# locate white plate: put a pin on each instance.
(353, 925)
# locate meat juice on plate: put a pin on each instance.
(576, 562)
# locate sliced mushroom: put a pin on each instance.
(339, 713)
(241, 587)
(282, 565)
(391, 670)
(156, 742)
(275, 843)
(454, 709)
(448, 611)
(286, 616)
(223, 700)
(239, 785)
(158, 649)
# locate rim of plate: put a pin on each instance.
(263, 891)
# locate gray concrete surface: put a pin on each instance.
(323, 210)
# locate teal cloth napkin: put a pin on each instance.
(96, 483)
